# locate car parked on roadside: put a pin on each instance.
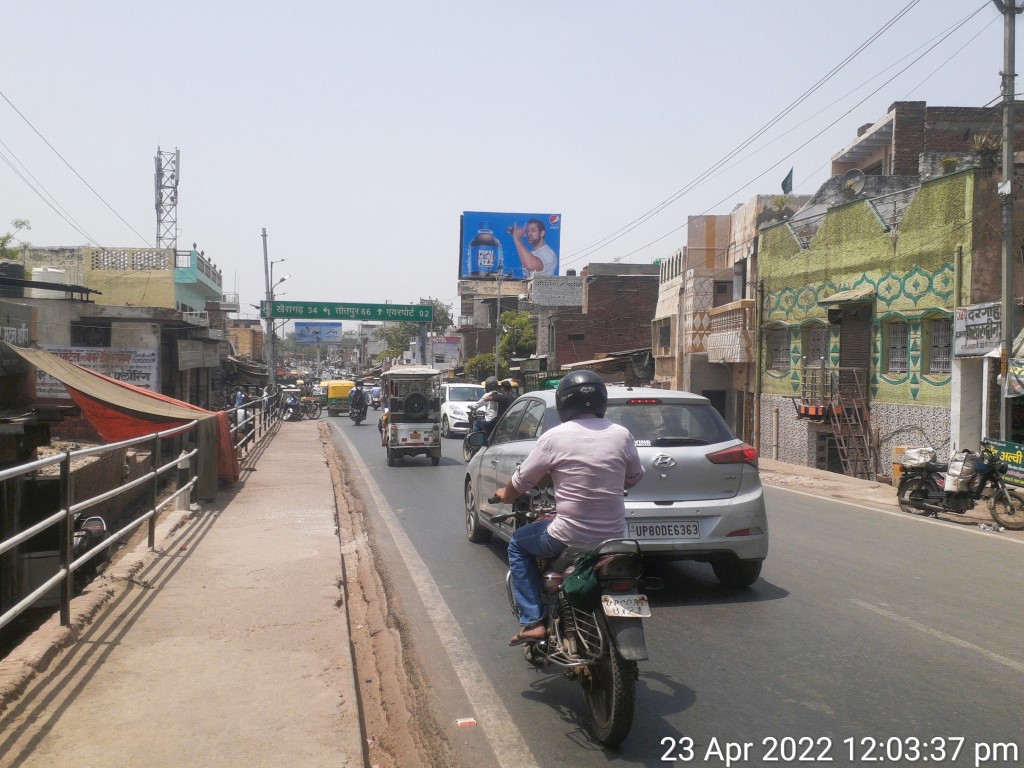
(700, 499)
(456, 397)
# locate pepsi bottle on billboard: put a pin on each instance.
(483, 256)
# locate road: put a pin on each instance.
(871, 638)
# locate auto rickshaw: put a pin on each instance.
(337, 396)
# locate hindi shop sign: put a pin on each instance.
(132, 366)
(1013, 455)
(322, 310)
(977, 329)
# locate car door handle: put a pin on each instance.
(494, 462)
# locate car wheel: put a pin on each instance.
(446, 430)
(737, 573)
(474, 531)
(391, 457)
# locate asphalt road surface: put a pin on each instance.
(871, 638)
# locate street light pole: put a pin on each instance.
(497, 317)
(271, 368)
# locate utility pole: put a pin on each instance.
(497, 315)
(271, 367)
(1006, 191)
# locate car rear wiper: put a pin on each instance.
(668, 442)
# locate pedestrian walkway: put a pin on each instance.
(228, 647)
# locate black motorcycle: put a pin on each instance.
(357, 412)
(89, 533)
(598, 644)
(929, 488)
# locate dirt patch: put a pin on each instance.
(398, 720)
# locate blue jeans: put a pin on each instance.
(528, 543)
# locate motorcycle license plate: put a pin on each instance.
(626, 606)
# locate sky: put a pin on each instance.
(356, 133)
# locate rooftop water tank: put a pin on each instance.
(47, 275)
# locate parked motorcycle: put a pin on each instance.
(927, 487)
(291, 409)
(89, 533)
(597, 647)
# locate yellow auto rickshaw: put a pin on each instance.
(337, 396)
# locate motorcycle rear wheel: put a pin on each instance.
(1007, 509)
(610, 691)
(914, 488)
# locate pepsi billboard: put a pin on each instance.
(519, 245)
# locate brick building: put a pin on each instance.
(619, 302)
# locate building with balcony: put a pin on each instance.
(177, 296)
(868, 295)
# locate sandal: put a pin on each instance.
(521, 637)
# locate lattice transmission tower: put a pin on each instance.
(167, 165)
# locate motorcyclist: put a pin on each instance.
(494, 402)
(375, 392)
(357, 397)
(591, 461)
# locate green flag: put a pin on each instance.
(787, 183)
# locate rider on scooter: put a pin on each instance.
(591, 461)
(494, 402)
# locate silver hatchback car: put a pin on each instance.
(700, 499)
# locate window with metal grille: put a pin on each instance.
(778, 349)
(899, 333)
(815, 344)
(665, 334)
(940, 359)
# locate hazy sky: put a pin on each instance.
(357, 132)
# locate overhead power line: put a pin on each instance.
(64, 160)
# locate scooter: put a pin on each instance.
(292, 411)
(376, 401)
(597, 642)
(89, 533)
(969, 476)
(475, 414)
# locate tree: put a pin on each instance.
(8, 252)
(480, 367)
(398, 335)
(519, 336)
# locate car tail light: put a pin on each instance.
(738, 454)
(644, 401)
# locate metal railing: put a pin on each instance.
(70, 509)
(251, 422)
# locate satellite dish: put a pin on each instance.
(853, 182)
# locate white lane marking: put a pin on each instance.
(946, 524)
(1011, 663)
(504, 738)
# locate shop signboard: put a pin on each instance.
(977, 329)
(139, 367)
(1013, 455)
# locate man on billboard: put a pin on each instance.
(536, 256)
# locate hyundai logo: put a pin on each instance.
(663, 461)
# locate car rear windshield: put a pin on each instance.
(465, 393)
(667, 424)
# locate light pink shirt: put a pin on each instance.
(591, 462)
